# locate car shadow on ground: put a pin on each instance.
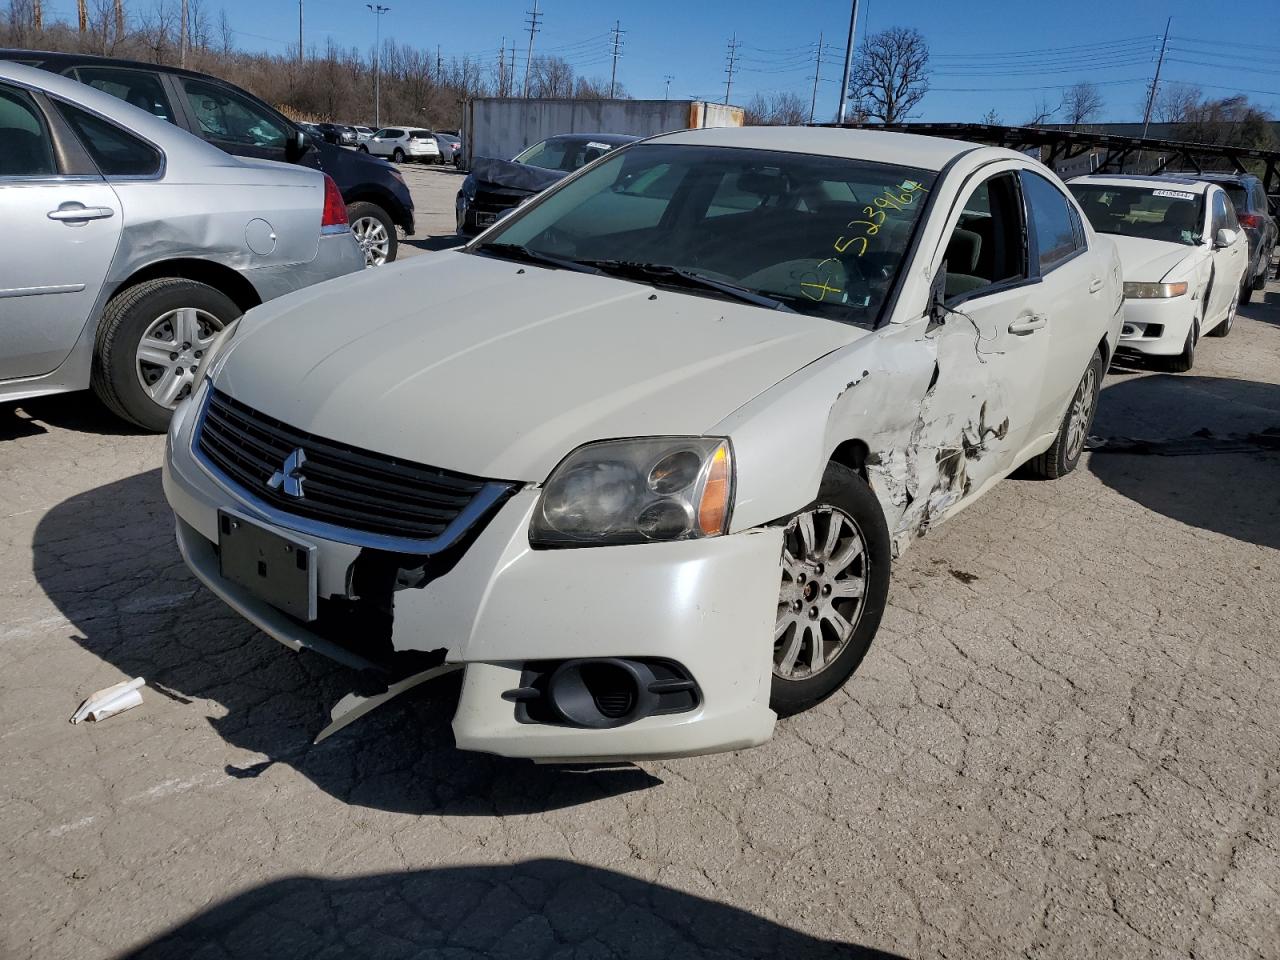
(540, 908)
(1217, 470)
(81, 411)
(108, 560)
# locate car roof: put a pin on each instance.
(1135, 180)
(612, 139)
(1222, 176)
(58, 61)
(876, 146)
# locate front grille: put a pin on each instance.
(341, 484)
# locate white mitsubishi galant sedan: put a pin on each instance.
(1184, 257)
(643, 476)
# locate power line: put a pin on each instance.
(1043, 50)
(1052, 86)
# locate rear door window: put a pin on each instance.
(27, 148)
(137, 87)
(230, 120)
(1051, 222)
(116, 152)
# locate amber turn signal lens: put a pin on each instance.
(713, 510)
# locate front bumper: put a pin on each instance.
(337, 255)
(707, 605)
(1158, 327)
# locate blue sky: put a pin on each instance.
(987, 54)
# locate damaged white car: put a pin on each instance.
(643, 476)
(1184, 257)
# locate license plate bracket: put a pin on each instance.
(273, 567)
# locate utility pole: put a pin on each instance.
(378, 10)
(511, 72)
(119, 20)
(533, 28)
(731, 61)
(502, 67)
(83, 14)
(817, 70)
(37, 15)
(617, 52)
(1151, 96)
(848, 63)
(182, 37)
(439, 63)
(667, 95)
(301, 49)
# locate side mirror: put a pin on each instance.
(1224, 238)
(937, 298)
(296, 146)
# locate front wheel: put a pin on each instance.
(1185, 360)
(150, 343)
(1246, 292)
(835, 583)
(1061, 458)
(1222, 329)
(375, 233)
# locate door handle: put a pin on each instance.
(1095, 285)
(78, 212)
(1025, 325)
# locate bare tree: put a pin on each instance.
(891, 75)
(1177, 102)
(1042, 111)
(551, 77)
(991, 117)
(1081, 104)
(776, 110)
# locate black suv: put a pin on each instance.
(238, 122)
(1250, 200)
(343, 136)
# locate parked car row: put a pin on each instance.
(239, 123)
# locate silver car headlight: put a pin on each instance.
(216, 349)
(1154, 291)
(637, 491)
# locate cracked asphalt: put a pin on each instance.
(1064, 743)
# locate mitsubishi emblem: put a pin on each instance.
(289, 477)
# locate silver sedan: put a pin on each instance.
(130, 244)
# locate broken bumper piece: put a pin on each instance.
(592, 654)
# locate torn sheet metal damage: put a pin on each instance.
(922, 466)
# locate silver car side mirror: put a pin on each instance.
(1224, 238)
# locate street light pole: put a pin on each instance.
(378, 10)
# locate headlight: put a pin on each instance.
(1154, 291)
(215, 350)
(637, 491)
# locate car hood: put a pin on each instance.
(499, 370)
(1148, 261)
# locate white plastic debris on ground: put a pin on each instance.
(111, 700)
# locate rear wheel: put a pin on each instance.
(835, 582)
(150, 344)
(374, 231)
(1061, 458)
(397, 155)
(362, 148)
(1222, 329)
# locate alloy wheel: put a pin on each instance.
(825, 575)
(1081, 415)
(170, 351)
(372, 236)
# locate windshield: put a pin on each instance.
(563, 153)
(1148, 213)
(821, 235)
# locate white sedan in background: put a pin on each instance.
(403, 143)
(1184, 258)
(639, 463)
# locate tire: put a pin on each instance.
(362, 148)
(1246, 292)
(118, 368)
(845, 498)
(1222, 329)
(1187, 358)
(366, 220)
(397, 155)
(1063, 456)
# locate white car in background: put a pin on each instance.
(637, 472)
(363, 134)
(403, 143)
(1184, 257)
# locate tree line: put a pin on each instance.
(332, 82)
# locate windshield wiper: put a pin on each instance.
(522, 254)
(680, 277)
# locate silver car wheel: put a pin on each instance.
(170, 351)
(372, 237)
(825, 575)
(1081, 413)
